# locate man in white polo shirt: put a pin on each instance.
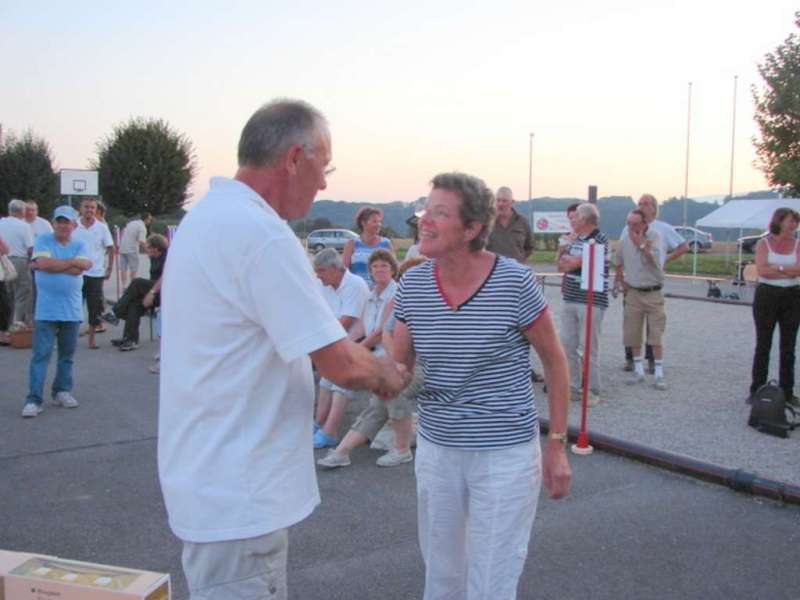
(17, 235)
(37, 224)
(347, 294)
(97, 237)
(131, 245)
(242, 314)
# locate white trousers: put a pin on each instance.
(573, 332)
(475, 512)
(249, 569)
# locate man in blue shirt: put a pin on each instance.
(58, 263)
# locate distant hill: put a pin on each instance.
(613, 212)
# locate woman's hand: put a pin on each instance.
(556, 472)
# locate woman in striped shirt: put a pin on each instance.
(466, 318)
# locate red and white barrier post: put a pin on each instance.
(582, 446)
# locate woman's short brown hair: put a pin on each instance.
(477, 203)
(779, 215)
(385, 256)
(363, 215)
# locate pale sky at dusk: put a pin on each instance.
(411, 89)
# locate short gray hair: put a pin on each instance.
(477, 203)
(504, 189)
(16, 207)
(276, 126)
(32, 203)
(589, 213)
(328, 258)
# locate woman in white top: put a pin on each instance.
(777, 300)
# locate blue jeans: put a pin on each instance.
(44, 334)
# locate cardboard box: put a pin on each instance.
(21, 338)
(39, 577)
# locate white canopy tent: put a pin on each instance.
(747, 214)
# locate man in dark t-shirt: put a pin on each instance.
(511, 235)
(140, 296)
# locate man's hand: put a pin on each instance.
(555, 469)
(148, 300)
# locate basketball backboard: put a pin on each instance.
(78, 182)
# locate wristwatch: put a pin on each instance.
(558, 436)
(642, 247)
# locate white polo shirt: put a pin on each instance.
(350, 298)
(135, 233)
(40, 226)
(97, 238)
(669, 239)
(242, 311)
(16, 233)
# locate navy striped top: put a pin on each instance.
(571, 284)
(474, 358)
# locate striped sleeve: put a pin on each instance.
(532, 303)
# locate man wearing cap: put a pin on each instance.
(58, 263)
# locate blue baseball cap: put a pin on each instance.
(65, 212)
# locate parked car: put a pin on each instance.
(329, 238)
(695, 237)
(748, 243)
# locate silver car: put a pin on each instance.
(329, 238)
(696, 238)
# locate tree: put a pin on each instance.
(144, 165)
(778, 115)
(26, 172)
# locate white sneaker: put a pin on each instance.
(31, 409)
(65, 399)
(334, 459)
(635, 379)
(659, 383)
(394, 458)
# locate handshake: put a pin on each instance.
(394, 378)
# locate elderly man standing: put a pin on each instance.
(573, 316)
(16, 233)
(133, 241)
(242, 315)
(640, 274)
(672, 246)
(58, 262)
(511, 235)
(37, 224)
(346, 294)
(97, 237)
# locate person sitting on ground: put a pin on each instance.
(777, 301)
(346, 295)
(141, 296)
(377, 313)
(356, 253)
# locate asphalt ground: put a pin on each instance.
(82, 484)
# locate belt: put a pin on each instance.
(653, 288)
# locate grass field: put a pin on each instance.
(707, 264)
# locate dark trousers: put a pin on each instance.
(5, 308)
(130, 307)
(772, 306)
(93, 294)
